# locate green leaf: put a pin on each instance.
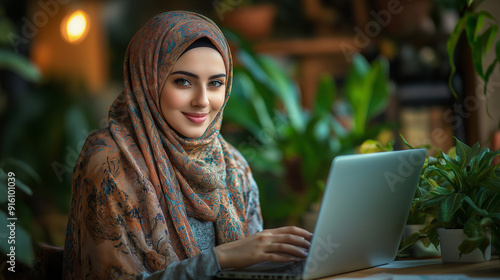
(325, 95)
(472, 227)
(433, 236)
(471, 244)
(432, 201)
(452, 163)
(410, 240)
(487, 199)
(473, 25)
(450, 206)
(22, 186)
(380, 89)
(487, 38)
(450, 47)
(285, 90)
(23, 166)
(487, 75)
(441, 172)
(19, 64)
(237, 108)
(461, 150)
(358, 90)
(480, 48)
(433, 183)
(486, 223)
(441, 190)
(405, 142)
(336, 127)
(497, 50)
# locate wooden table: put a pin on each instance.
(433, 266)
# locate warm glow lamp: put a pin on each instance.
(75, 27)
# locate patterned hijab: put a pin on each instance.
(136, 183)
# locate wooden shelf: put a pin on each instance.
(316, 57)
(305, 47)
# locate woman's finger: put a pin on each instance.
(282, 248)
(277, 257)
(292, 230)
(291, 239)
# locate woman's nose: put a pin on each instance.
(200, 98)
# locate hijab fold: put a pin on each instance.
(136, 182)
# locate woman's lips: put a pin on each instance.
(196, 117)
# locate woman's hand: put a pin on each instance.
(285, 244)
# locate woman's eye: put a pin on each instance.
(182, 82)
(215, 83)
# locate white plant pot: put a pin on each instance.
(450, 239)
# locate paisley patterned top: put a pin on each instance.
(137, 182)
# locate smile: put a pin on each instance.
(196, 118)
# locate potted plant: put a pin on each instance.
(253, 19)
(464, 197)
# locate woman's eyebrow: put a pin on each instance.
(186, 73)
(217, 76)
(196, 76)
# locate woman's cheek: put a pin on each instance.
(176, 98)
(219, 99)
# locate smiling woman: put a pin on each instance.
(159, 194)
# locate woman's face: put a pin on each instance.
(194, 91)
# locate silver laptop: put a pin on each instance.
(363, 212)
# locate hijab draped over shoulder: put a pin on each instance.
(136, 182)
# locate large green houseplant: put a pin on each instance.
(464, 194)
(290, 148)
(480, 29)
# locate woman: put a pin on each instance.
(160, 194)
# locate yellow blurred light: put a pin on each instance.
(74, 28)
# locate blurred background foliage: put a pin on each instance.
(289, 147)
